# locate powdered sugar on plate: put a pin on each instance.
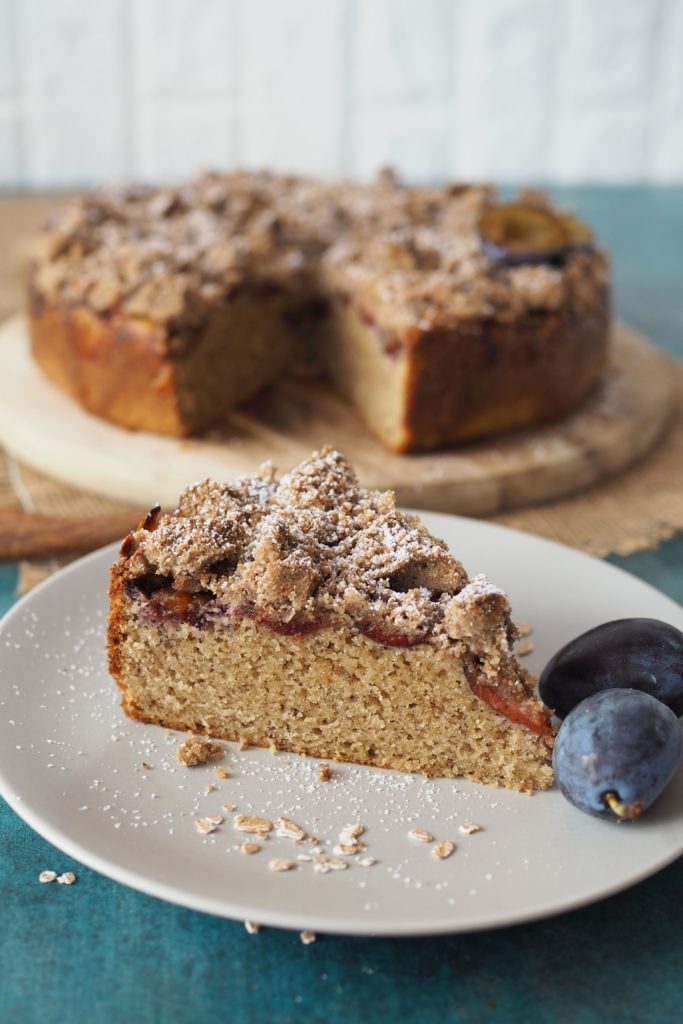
(110, 792)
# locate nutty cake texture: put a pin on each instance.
(309, 614)
(164, 308)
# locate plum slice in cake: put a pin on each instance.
(311, 614)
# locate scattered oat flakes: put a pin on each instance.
(337, 865)
(366, 862)
(230, 807)
(195, 750)
(525, 628)
(250, 848)
(343, 850)
(525, 648)
(304, 857)
(422, 835)
(313, 840)
(281, 864)
(243, 744)
(47, 876)
(221, 773)
(469, 827)
(307, 937)
(68, 878)
(272, 746)
(349, 835)
(145, 766)
(252, 927)
(443, 849)
(324, 773)
(251, 823)
(208, 824)
(209, 788)
(289, 829)
(321, 867)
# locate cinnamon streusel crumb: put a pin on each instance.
(195, 750)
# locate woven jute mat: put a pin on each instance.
(631, 512)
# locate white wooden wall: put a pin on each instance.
(564, 90)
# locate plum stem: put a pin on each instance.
(623, 811)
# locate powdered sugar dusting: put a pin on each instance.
(172, 252)
(72, 759)
(314, 545)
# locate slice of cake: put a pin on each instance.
(311, 615)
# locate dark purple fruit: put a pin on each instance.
(515, 233)
(641, 654)
(616, 752)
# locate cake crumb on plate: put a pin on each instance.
(194, 750)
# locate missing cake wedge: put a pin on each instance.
(309, 614)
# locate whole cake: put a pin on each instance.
(442, 314)
(311, 615)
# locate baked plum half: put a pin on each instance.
(514, 233)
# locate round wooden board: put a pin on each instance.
(617, 425)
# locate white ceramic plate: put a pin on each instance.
(70, 765)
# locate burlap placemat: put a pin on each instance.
(631, 512)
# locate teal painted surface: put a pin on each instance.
(100, 952)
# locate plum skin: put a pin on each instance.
(621, 742)
(641, 654)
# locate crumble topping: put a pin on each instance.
(315, 544)
(195, 750)
(168, 254)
